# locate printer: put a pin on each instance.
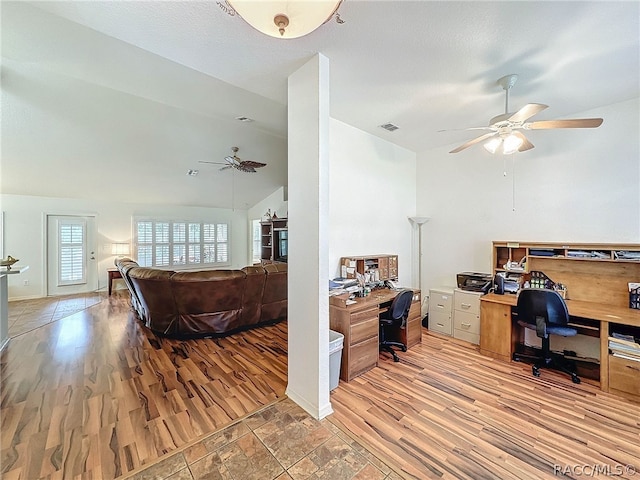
(475, 282)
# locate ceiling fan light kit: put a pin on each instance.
(506, 137)
(284, 19)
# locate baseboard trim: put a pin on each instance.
(316, 412)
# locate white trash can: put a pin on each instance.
(336, 340)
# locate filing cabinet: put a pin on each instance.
(440, 310)
(466, 315)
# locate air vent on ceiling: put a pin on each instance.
(192, 173)
(390, 127)
(244, 119)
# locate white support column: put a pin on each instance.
(308, 298)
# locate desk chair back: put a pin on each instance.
(395, 317)
(545, 309)
(399, 310)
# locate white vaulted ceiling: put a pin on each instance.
(150, 88)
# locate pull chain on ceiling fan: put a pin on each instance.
(505, 137)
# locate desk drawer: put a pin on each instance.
(363, 356)
(364, 315)
(364, 330)
(624, 375)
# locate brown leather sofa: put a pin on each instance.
(206, 303)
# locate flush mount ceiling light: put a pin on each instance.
(284, 19)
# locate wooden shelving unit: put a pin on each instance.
(374, 267)
(592, 272)
(274, 239)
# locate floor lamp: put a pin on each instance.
(418, 222)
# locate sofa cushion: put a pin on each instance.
(274, 298)
(155, 296)
(252, 297)
(208, 300)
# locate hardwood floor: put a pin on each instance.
(96, 395)
(445, 411)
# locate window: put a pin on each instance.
(256, 251)
(71, 238)
(170, 244)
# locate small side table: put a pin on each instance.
(113, 273)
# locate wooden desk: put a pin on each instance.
(498, 335)
(358, 322)
(113, 273)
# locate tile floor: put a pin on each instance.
(25, 315)
(280, 442)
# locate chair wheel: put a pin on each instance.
(396, 359)
(535, 371)
(404, 349)
(575, 379)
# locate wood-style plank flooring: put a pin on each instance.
(97, 395)
(445, 411)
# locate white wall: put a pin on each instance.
(372, 191)
(24, 232)
(275, 202)
(576, 185)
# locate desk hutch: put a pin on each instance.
(375, 267)
(596, 277)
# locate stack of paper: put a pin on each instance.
(624, 346)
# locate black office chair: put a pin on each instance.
(395, 317)
(545, 312)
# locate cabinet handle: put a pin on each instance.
(440, 324)
(439, 306)
(633, 368)
(465, 305)
(466, 324)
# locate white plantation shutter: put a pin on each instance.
(165, 243)
(71, 239)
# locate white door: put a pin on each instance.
(71, 259)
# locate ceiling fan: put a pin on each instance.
(234, 161)
(505, 137)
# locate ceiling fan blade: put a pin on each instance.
(252, 164)
(465, 129)
(226, 168)
(473, 142)
(528, 111)
(526, 144)
(574, 123)
(214, 163)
